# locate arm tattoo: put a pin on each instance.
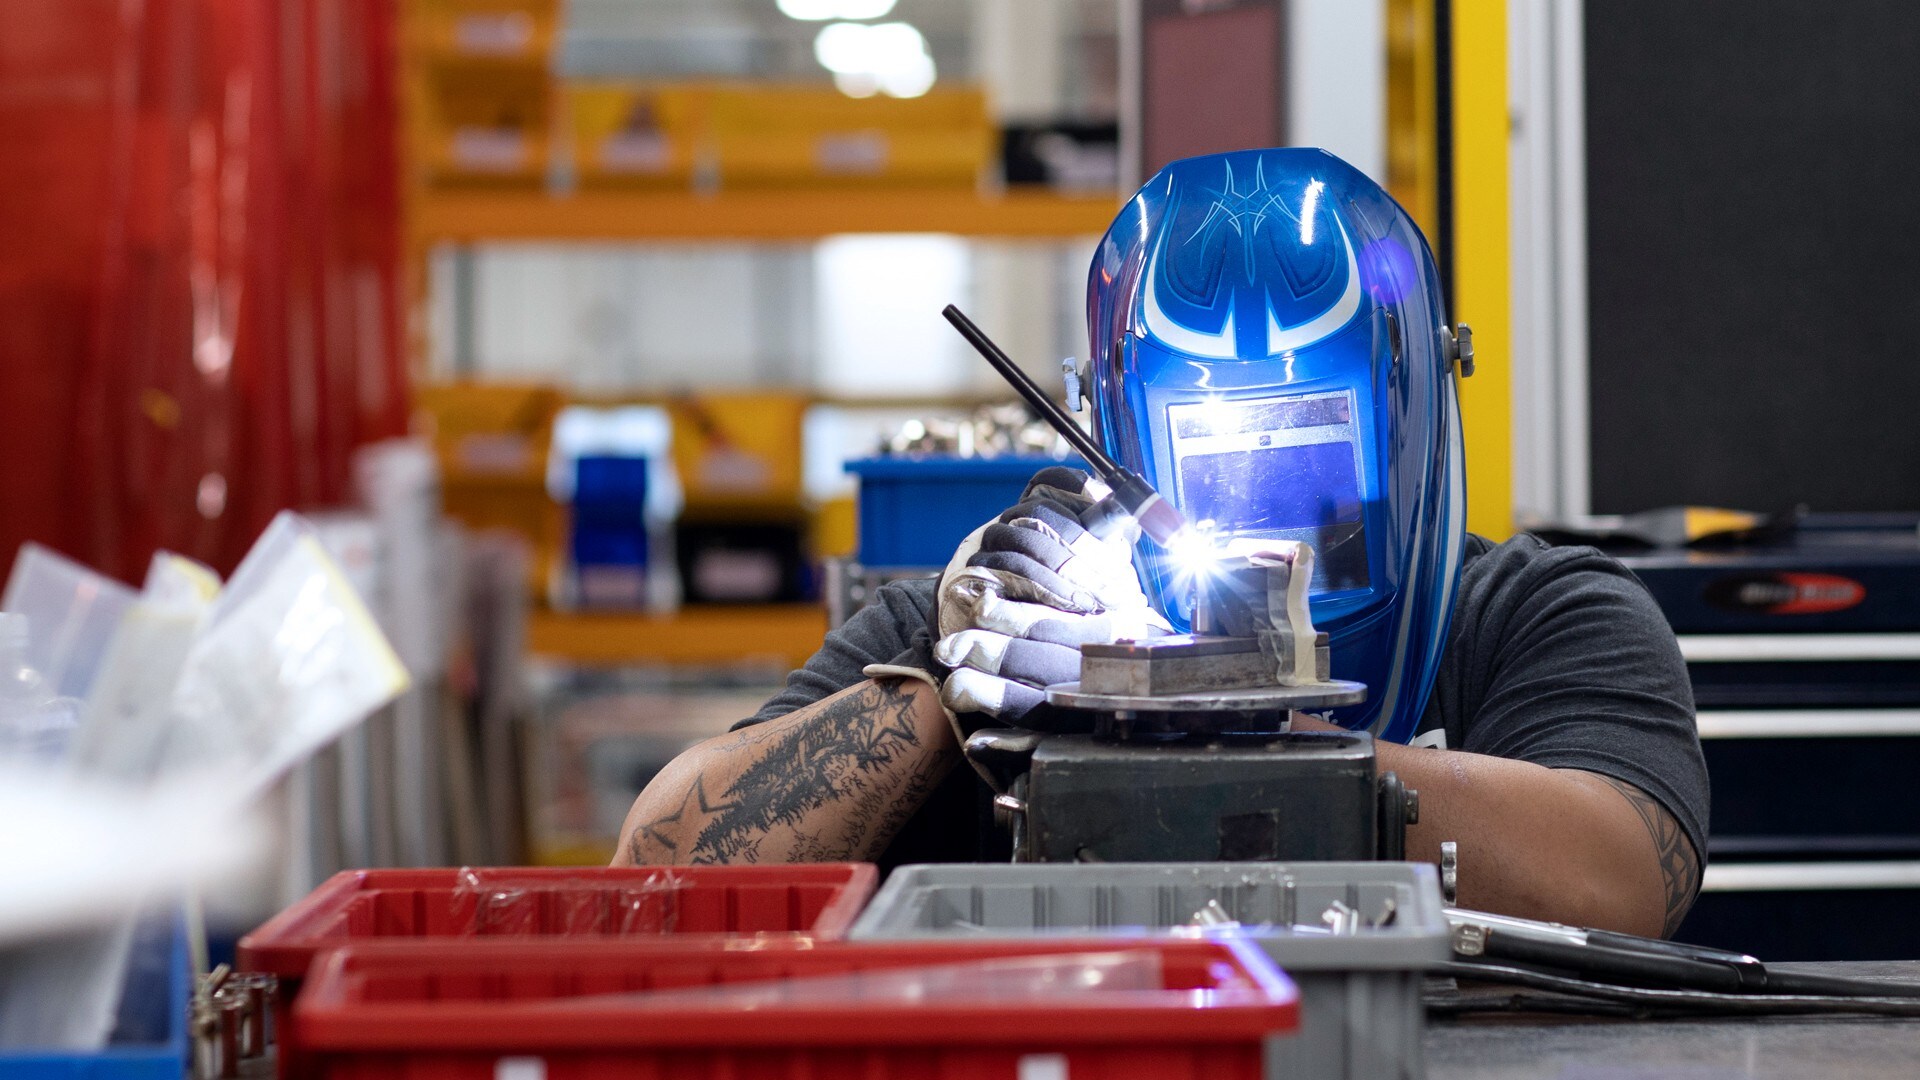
(1679, 863)
(649, 832)
(860, 752)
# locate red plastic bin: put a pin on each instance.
(489, 1012)
(448, 905)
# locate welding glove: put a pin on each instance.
(1024, 592)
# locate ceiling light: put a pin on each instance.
(820, 10)
(856, 84)
(892, 58)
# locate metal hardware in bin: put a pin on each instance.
(915, 510)
(470, 1014)
(150, 1040)
(1360, 1011)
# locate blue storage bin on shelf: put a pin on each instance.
(608, 533)
(913, 511)
(150, 1036)
(611, 483)
(595, 546)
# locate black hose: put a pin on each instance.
(1794, 982)
(1443, 1003)
(1687, 1002)
(1635, 967)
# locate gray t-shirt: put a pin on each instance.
(1557, 656)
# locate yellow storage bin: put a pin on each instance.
(627, 135)
(836, 531)
(485, 125)
(767, 135)
(739, 451)
(498, 30)
(516, 506)
(492, 441)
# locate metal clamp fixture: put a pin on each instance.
(1457, 347)
(1073, 374)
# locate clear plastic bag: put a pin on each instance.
(505, 903)
(72, 611)
(36, 724)
(287, 658)
(1016, 978)
(127, 717)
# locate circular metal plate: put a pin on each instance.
(1325, 695)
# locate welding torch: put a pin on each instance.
(1132, 499)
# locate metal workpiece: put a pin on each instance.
(1180, 664)
(1264, 596)
(1193, 673)
(1276, 700)
(1241, 594)
(1254, 648)
(1188, 663)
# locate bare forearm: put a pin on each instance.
(835, 780)
(1554, 844)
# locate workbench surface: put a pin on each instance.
(1573, 1048)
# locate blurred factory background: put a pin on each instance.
(564, 318)
(569, 316)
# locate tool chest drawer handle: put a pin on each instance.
(1777, 877)
(1806, 723)
(1780, 648)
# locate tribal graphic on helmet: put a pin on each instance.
(1269, 349)
(1241, 275)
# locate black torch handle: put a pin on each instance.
(1049, 410)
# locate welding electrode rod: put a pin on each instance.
(1049, 410)
(1132, 494)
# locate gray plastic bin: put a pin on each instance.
(1360, 1012)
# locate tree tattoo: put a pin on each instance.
(1679, 863)
(650, 832)
(859, 751)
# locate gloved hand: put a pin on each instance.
(1025, 591)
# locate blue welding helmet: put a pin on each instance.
(1270, 351)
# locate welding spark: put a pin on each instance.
(1194, 553)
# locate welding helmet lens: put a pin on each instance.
(1276, 468)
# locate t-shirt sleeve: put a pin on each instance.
(1576, 668)
(893, 628)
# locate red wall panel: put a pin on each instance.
(198, 316)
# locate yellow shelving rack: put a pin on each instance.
(479, 170)
(706, 635)
(772, 215)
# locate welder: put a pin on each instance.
(1269, 350)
